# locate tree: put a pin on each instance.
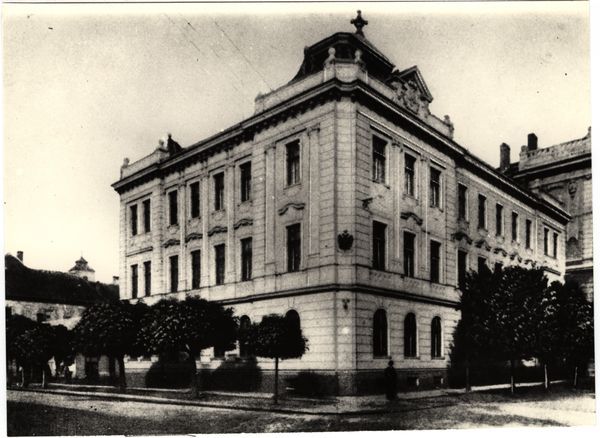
(576, 327)
(188, 326)
(547, 331)
(515, 323)
(16, 325)
(474, 334)
(110, 329)
(34, 347)
(277, 337)
(62, 348)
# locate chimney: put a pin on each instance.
(532, 142)
(20, 255)
(115, 280)
(504, 157)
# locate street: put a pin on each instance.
(32, 413)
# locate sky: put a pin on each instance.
(87, 85)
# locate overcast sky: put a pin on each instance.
(87, 85)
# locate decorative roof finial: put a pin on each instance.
(359, 23)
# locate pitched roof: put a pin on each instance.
(26, 284)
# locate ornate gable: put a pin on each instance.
(411, 90)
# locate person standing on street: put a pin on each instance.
(390, 381)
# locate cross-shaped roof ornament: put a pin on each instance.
(359, 23)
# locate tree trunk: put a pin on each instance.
(575, 378)
(122, 380)
(24, 382)
(44, 376)
(276, 395)
(512, 376)
(546, 380)
(194, 382)
(467, 377)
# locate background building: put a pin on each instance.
(563, 171)
(54, 298)
(342, 202)
(83, 270)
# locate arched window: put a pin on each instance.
(410, 335)
(380, 333)
(244, 326)
(436, 337)
(293, 318)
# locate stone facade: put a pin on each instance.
(564, 171)
(346, 101)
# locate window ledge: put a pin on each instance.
(289, 186)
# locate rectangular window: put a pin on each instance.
(292, 159)
(379, 145)
(462, 201)
(379, 230)
(434, 261)
(409, 254)
(293, 248)
(220, 264)
(134, 281)
(435, 177)
(147, 278)
(246, 258)
(195, 199)
(196, 269)
(499, 221)
(219, 181)
(245, 181)
(481, 212)
(528, 234)
(174, 273)
(409, 174)
(147, 218)
(554, 245)
(545, 241)
(462, 269)
(134, 219)
(173, 220)
(514, 226)
(481, 264)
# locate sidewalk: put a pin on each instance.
(246, 401)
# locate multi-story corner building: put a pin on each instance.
(563, 171)
(342, 201)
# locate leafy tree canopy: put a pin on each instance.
(277, 337)
(190, 326)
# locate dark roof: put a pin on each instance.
(345, 44)
(25, 284)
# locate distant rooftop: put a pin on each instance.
(26, 284)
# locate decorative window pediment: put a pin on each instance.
(482, 243)
(243, 223)
(171, 242)
(499, 250)
(409, 214)
(294, 205)
(217, 229)
(515, 255)
(460, 235)
(193, 236)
